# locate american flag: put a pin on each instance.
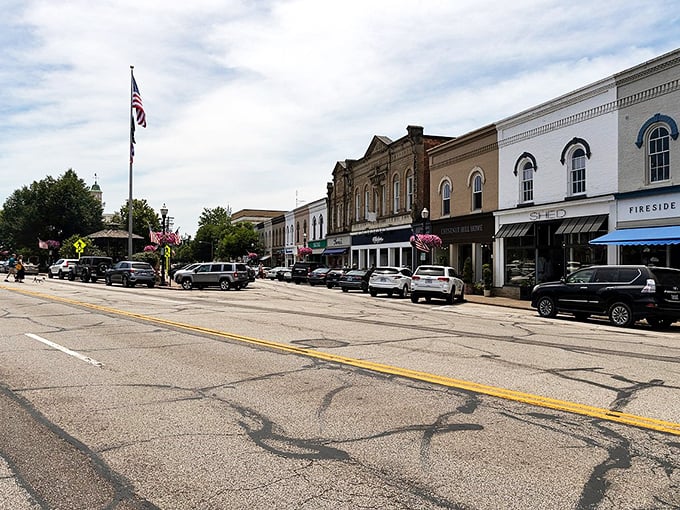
(153, 236)
(420, 245)
(137, 104)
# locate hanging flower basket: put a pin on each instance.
(150, 247)
(426, 240)
(52, 244)
(304, 251)
(253, 256)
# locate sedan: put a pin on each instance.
(318, 276)
(273, 273)
(390, 280)
(356, 279)
(129, 273)
(333, 277)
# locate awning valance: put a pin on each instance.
(581, 224)
(334, 251)
(513, 230)
(641, 236)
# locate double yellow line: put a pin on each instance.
(493, 391)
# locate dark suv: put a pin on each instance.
(90, 268)
(625, 294)
(301, 270)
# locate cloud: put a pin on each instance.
(249, 103)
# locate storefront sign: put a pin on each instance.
(374, 237)
(478, 229)
(649, 207)
(337, 242)
(549, 214)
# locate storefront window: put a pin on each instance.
(520, 261)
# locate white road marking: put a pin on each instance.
(63, 349)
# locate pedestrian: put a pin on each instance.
(21, 270)
(11, 269)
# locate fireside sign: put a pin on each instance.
(650, 207)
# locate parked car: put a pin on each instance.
(177, 275)
(440, 282)
(252, 273)
(390, 280)
(625, 294)
(355, 279)
(4, 266)
(225, 275)
(302, 270)
(60, 268)
(333, 277)
(90, 268)
(273, 273)
(286, 274)
(318, 276)
(129, 273)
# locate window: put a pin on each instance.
(297, 232)
(314, 228)
(659, 155)
(527, 183)
(577, 172)
(366, 203)
(477, 192)
(357, 206)
(395, 195)
(409, 191)
(446, 198)
(320, 226)
(383, 200)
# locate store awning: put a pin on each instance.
(641, 236)
(581, 224)
(266, 257)
(334, 251)
(513, 230)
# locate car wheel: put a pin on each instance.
(60, 275)
(621, 315)
(461, 298)
(187, 284)
(345, 289)
(373, 292)
(84, 277)
(49, 274)
(364, 289)
(93, 279)
(329, 285)
(657, 323)
(224, 284)
(71, 276)
(107, 280)
(414, 298)
(401, 292)
(449, 297)
(546, 307)
(150, 285)
(126, 281)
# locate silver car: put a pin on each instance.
(390, 280)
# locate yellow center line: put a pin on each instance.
(494, 391)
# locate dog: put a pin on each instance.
(38, 279)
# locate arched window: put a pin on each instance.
(659, 154)
(577, 172)
(367, 203)
(357, 205)
(409, 190)
(320, 226)
(395, 194)
(446, 198)
(314, 227)
(526, 183)
(477, 192)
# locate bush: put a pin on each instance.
(487, 276)
(467, 270)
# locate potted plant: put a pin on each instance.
(487, 278)
(467, 275)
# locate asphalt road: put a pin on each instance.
(285, 396)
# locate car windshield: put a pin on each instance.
(356, 272)
(430, 271)
(386, 270)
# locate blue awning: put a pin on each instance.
(334, 251)
(641, 236)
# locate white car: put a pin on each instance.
(390, 280)
(61, 268)
(439, 282)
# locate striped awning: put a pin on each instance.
(513, 230)
(581, 224)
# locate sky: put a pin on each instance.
(250, 104)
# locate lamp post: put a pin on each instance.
(425, 214)
(164, 214)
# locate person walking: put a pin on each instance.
(21, 270)
(11, 269)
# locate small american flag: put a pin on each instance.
(420, 245)
(153, 236)
(137, 104)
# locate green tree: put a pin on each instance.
(238, 240)
(143, 216)
(213, 226)
(49, 209)
(68, 251)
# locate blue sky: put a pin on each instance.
(251, 102)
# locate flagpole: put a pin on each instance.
(132, 127)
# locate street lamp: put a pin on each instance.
(425, 214)
(164, 214)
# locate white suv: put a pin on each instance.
(436, 282)
(61, 268)
(390, 280)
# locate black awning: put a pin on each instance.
(513, 230)
(581, 224)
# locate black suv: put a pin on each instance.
(90, 268)
(625, 294)
(301, 270)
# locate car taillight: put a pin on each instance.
(235, 274)
(414, 277)
(443, 279)
(650, 287)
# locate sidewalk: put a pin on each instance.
(499, 301)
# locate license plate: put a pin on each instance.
(675, 297)
(382, 279)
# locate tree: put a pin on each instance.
(143, 217)
(49, 209)
(238, 240)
